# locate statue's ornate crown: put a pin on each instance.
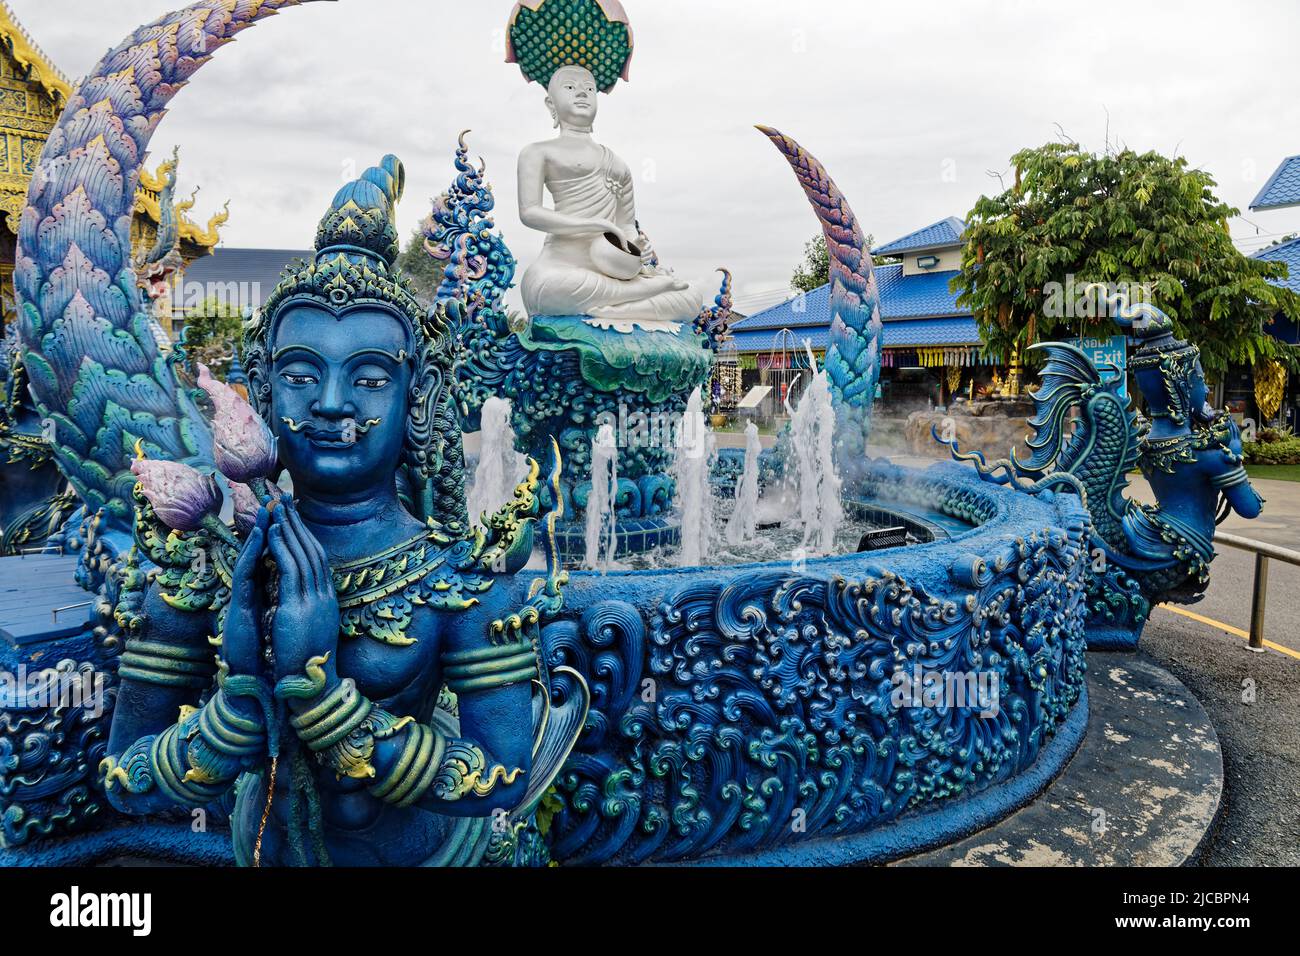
(356, 248)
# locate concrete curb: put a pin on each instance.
(1143, 790)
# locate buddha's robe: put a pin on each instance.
(565, 281)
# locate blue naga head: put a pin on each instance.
(1168, 369)
(348, 369)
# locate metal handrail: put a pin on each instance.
(1262, 551)
(54, 612)
(39, 549)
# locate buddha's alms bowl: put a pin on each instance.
(616, 257)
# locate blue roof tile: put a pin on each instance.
(767, 340)
(954, 330)
(1281, 327)
(913, 333)
(915, 297)
(945, 232)
(1282, 188)
(810, 309)
(901, 297)
(1288, 252)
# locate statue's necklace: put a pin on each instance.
(377, 594)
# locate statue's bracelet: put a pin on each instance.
(332, 717)
(487, 668)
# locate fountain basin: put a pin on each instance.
(764, 713)
(572, 377)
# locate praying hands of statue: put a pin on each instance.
(241, 639)
(306, 621)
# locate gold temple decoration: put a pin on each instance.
(1270, 384)
(1015, 374)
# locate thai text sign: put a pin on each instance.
(1111, 351)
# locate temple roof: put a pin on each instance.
(148, 195)
(901, 297)
(915, 333)
(917, 310)
(1282, 188)
(40, 68)
(937, 235)
(1288, 252)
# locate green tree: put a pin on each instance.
(1140, 220)
(815, 270)
(211, 331)
(424, 271)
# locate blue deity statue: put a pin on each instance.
(368, 697)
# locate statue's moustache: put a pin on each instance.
(311, 428)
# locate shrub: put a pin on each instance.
(1286, 451)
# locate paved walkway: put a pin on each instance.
(1254, 703)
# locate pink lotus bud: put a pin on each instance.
(243, 446)
(182, 498)
(247, 504)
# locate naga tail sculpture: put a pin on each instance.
(96, 369)
(853, 355)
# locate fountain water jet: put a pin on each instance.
(742, 524)
(500, 468)
(601, 502)
(812, 434)
(691, 472)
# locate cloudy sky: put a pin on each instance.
(910, 106)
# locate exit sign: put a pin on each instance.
(1111, 351)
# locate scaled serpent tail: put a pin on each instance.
(95, 367)
(853, 355)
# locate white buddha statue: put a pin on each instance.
(595, 261)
